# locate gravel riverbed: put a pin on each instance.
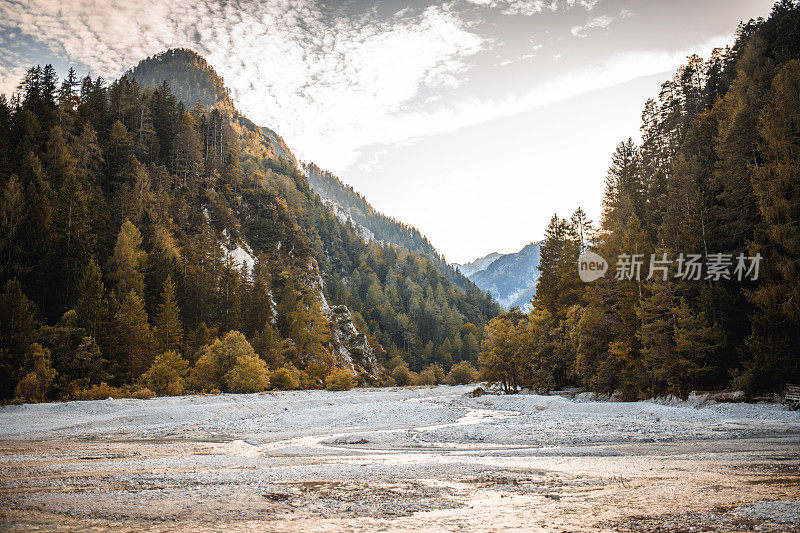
(398, 459)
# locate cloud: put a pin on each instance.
(603, 21)
(618, 69)
(317, 75)
(532, 7)
(330, 82)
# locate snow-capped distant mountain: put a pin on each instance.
(511, 278)
(468, 269)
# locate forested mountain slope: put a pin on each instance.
(717, 175)
(353, 205)
(147, 243)
(191, 80)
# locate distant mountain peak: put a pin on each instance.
(482, 263)
(510, 278)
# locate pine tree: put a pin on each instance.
(168, 325)
(12, 205)
(134, 343)
(89, 366)
(17, 332)
(93, 306)
(120, 155)
(127, 264)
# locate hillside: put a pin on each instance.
(155, 237)
(349, 203)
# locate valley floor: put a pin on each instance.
(400, 459)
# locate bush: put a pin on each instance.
(249, 374)
(101, 392)
(217, 360)
(33, 387)
(143, 394)
(403, 377)
(432, 375)
(339, 379)
(394, 362)
(284, 379)
(166, 374)
(462, 374)
(204, 374)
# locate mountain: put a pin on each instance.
(154, 227)
(192, 80)
(511, 278)
(482, 263)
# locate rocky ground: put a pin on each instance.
(402, 459)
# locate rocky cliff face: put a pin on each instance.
(351, 348)
(344, 216)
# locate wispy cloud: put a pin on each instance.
(467, 112)
(603, 21)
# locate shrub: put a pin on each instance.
(284, 379)
(394, 362)
(432, 375)
(33, 387)
(403, 377)
(217, 360)
(143, 394)
(249, 374)
(461, 374)
(166, 374)
(204, 374)
(101, 392)
(339, 379)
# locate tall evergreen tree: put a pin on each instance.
(168, 325)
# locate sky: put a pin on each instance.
(474, 120)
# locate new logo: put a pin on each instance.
(591, 266)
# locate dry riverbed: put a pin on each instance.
(403, 459)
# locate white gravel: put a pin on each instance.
(441, 415)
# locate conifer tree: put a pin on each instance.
(17, 332)
(168, 325)
(134, 343)
(128, 261)
(93, 306)
(120, 155)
